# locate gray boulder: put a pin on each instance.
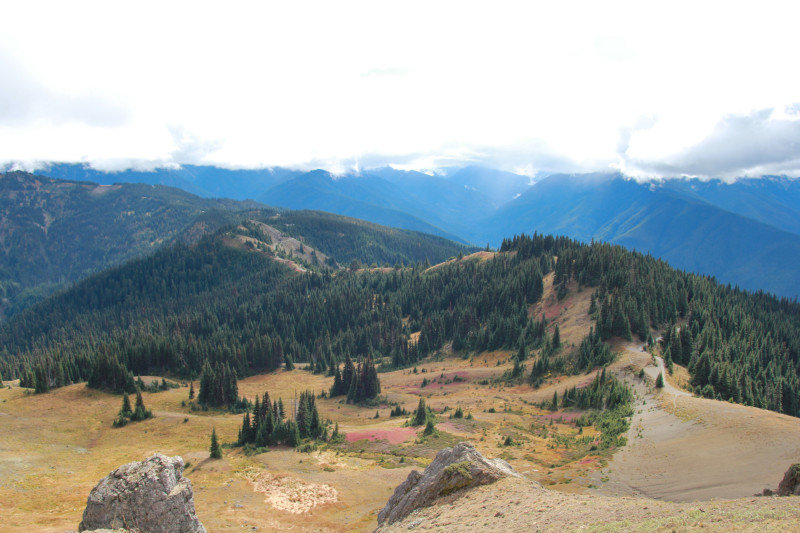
(453, 469)
(150, 496)
(790, 484)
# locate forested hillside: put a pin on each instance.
(737, 345)
(214, 302)
(54, 232)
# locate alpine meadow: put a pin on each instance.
(359, 267)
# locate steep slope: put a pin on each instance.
(53, 232)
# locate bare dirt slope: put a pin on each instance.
(512, 505)
(684, 448)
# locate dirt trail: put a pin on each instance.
(684, 448)
(669, 389)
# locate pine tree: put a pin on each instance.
(660, 381)
(126, 411)
(421, 414)
(140, 412)
(522, 353)
(518, 369)
(216, 451)
(556, 342)
(348, 375)
(336, 388)
(191, 390)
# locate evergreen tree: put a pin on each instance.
(215, 449)
(556, 342)
(140, 412)
(522, 353)
(126, 411)
(336, 388)
(421, 414)
(660, 381)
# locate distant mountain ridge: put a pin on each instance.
(55, 232)
(745, 233)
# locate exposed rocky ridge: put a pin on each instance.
(453, 469)
(790, 484)
(150, 496)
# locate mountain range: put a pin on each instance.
(745, 233)
(54, 232)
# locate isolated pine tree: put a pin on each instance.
(216, 451)
(421, 414)
(660, 381)
(140, 412)
(126, 411)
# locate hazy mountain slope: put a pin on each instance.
(689, 233)
(205, 181)
(771, 200)
(680, 220)
(373, 199)
(53, 232)
(498, 187)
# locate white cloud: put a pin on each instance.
(578, 86)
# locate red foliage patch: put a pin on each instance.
(555, 308)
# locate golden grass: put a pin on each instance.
(56, 446)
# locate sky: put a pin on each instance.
(651, 89)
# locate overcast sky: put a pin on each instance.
(697, 88)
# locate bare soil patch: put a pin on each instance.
(291, 494)
(683, 448)
(392, 436)
(516, 505)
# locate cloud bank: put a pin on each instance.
(653, 91)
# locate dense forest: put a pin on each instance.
(736, 345)
(218, 306)
(188, 304)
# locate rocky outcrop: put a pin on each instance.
(150, 496)
(453, 469)
(790, 485)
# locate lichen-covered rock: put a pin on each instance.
(150, 496)
(790, 485)
(453, 469)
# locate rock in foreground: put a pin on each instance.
(790, 485)
(151, 496)
(453, 469)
